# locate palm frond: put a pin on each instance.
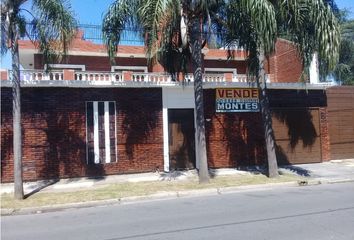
(5, 25)
(157, 17)
(252, 26)
(170, 52)
(54, 27)
(120, 14)
(347, 30)
(312, 25)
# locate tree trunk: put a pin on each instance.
(16, 112)
(198, 98)
(267, 120)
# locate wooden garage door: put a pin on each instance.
(297, 135)
(341, 121)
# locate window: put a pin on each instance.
(101, 132)
(65, 66)
(137, 69)
(220, 70)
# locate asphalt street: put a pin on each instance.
(312, 212)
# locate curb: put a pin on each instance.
(333, 181)
(169, 195)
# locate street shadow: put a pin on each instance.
(42, 185)
(64, 148)
(172, 175)
(298, 129)
(298, 170)
(182, 139)
(300, 126)
(280, 154)
(244, 138)
(240, 137)
(284, 162)
(73, 155)
(6, 145)
(236, 136)
(139, 121)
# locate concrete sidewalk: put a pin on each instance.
(333, 171)
(72, 184)
(321, 173)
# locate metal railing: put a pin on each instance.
(130, 36)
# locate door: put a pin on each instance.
(341, 121)
(181, 139)
(297, 135)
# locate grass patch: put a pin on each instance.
(120, 190)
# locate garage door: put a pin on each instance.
(341, 121)
(297, 135)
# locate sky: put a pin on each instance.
(92, 11)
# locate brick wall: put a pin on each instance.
(239, 65)
(54, 132)
(233, 139)
(285, 64)
(100, 63)
(94, 63)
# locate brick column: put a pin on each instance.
(180, 77)
(68, 74)
(325, 142)
(4, 75)
(127, 75)
(228, 77)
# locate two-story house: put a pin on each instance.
(86, 117)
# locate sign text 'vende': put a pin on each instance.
(237, 100)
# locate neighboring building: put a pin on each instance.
(88, 118)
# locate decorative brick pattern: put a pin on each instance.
(54, 132)
(325, 141)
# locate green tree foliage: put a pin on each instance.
(52, 28)
(175, 32)
(344, 71)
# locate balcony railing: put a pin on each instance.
(125, 77)
(35, 75)
(99, 76)
(151, 77)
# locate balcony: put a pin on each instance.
(124, 79)
(71, 78)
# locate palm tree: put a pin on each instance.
(175, 31)
(170, 28)
(344, 71)
(310, 24)
(52, 28)
(257, 35)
